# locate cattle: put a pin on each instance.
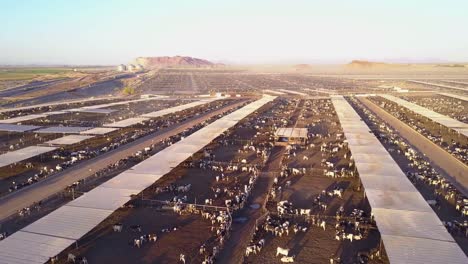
(323, 225)
(295, 171)
(250, 250)
(137, 242)
(184, 188)
(305, 212)
(286, 259)
(298, 228)
(117, 227)
(282, 251)
(71, 258)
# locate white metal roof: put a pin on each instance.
(273, 92)
(407, 249)
(68, 140)
(23, 154)
(439, 85)
(94, 110)
(98, 131)
(127, 122)
(410, 230)
(24, 248)
(16, 128)
(121, 103)
(177, 108)
(105, 198)
(88, 109)
(131, 180)
(50, 104)
(411, 223)
(20, 119)
(69, 222)
(375, 182)
(291, 132)
(62, 130)
(54, 232)
(293, 92)
(436, 117)
(320, 90)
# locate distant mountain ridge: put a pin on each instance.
(176, 61)
(366, 64)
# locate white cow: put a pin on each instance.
(117, 228)
(282, 251)
(305, 212)
(71, 258)
(348, 236)
(322, 225)
(287, 259)
(338, 192)
(250, 249)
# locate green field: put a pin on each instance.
(8, 74)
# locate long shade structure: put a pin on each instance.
(96, 109)
(53, 233)
(410, 230)
(13, 157)
(444, 120)
(439, 85)
(456, 96)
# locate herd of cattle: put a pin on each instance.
(325, 158)
(440, 135)
(423, 175)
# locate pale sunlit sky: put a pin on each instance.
(240, 31)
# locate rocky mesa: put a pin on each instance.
(176, 61)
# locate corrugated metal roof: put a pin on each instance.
(178, 108)
(293, 92)
(410, 230)
(456, 96)
(273, 92)
(68, 140)
(446, 121)
(291, 132)
(19, 119)
(23, 154)
(411, 250)
(99, 131)
(68, 222)
(127, 122)
(59, 229)
(16, 128)
(25, 248)
(62, 130)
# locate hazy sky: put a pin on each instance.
(283, 31)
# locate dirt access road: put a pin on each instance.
(11, 203)
(255, 210)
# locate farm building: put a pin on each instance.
(290, 136)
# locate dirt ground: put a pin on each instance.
(194, 230)
(317, 245)
(450, 140)
(22, 171)
(446, 209)
(188, 232)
